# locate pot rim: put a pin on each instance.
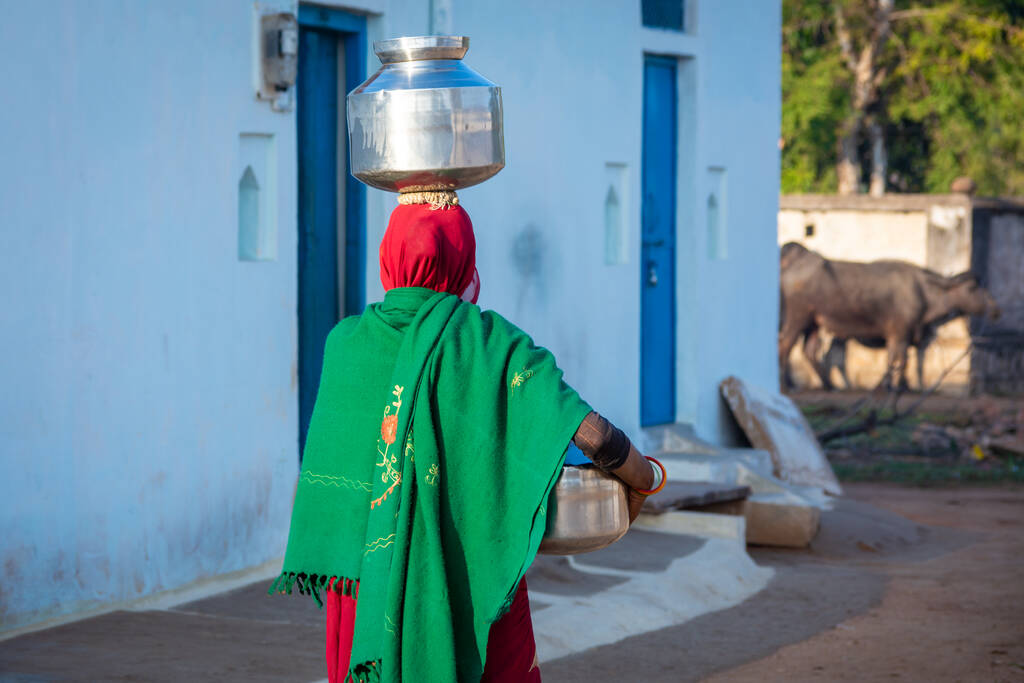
(413, 48)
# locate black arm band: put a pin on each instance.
(606, 445)
(613, 454)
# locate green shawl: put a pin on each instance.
(438, 433)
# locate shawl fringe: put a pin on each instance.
(367, 672)
(313, 585)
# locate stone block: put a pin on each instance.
(780, 524)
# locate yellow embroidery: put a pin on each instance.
(379, 544)
(388, 432)
(431, 477)
(338, 482)
(390, 626)
(520, 377)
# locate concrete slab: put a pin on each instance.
(795, 508)
(718, 575)
(721, 466)
(699, 524)
(643, 551)
(681, 495)
(556, 576)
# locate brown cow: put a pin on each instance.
(894, 302)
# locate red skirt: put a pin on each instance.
(511, 649)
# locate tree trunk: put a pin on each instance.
(879, 159)
(861, 54)
(848, 165)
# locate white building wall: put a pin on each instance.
(852, 235)
(150, 423)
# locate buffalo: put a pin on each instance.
(890, 304)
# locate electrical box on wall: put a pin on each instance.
(276, 55)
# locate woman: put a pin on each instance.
(421, 544)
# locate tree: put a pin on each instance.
(902, 94)
(862, 30)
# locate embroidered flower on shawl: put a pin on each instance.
(520, 377)
(389, 429)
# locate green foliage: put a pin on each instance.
(951, 99)
(815, 97)
(927, 473)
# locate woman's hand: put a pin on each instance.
(635, 501)
(636, 473)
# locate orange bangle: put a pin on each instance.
(664, 478)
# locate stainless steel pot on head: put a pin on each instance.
(425, 121)
(587, 511)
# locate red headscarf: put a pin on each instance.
(432, 248)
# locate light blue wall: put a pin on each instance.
(738, 297)
(148, 416)
(149, 419)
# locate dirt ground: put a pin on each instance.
(955, 617)
(900, 584)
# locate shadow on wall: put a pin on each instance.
(527, 252)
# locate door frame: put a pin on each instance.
(648, 415)
(350, 30)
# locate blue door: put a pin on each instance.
(658, 251)
(332, 218)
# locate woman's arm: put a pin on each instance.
(610, 449)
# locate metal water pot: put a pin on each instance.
(587, 511)
(425, 120)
